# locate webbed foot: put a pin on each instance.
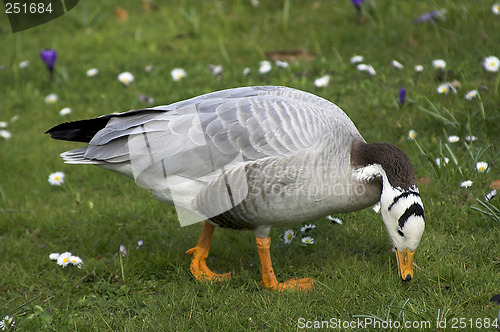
(199, 268)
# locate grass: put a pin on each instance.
(95, 211)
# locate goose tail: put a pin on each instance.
(78, 131)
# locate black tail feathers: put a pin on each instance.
(78, 131)
(84, 130)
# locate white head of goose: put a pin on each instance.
(255, 158)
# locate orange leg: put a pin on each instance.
(199, 268)
(268, 277)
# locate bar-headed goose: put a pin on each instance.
(254, 158)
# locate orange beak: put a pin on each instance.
(405, 264)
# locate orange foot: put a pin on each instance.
(303, 284)
(269, 279)
(199, 268)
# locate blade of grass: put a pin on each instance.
(436, 114)
(286, 14)
(490, 211)
(481, 106)
(19, 306)
(430, 159)
(121, 267)
(455, 161)
(450, 115)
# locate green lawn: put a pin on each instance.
(151, 288)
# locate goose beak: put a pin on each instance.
(405, 264)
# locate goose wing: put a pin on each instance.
(210, 130)
(184, 147)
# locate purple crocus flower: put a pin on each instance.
(357, 4)
(402, 95)
(434, 15)
(49, 58)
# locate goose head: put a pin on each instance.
(400, 202)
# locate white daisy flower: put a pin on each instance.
(495, 9)
(371, 71)
(491, 64)
(356, 59)
(92, 72)
(307, 240)
(362, 67)
(178, 74)
(443, 88)
(56, 179)
(335, 220)
(419, 68)
(24, 64)
(466, 184)
(3, 124)
(412, 134)
(51, 99)
(265, 67)
(246, 71)
(65, 111)
(288, 237)
(442, 162)
(470, 138)
(148, 68)
(482, 166)
(5, 134)
(490, 195)
(139, 244)
(396, 64)
(216, 70)
(471, 94)
(282, 64)
(126, 78)
(63, 259)
(368, 68)
(255, 3)
(453, 139)
(439, 64)
(6, 323)
(76, 261)
(376, 208)
(307, 228)
(54, 256)
(123, 250)
(322, 81)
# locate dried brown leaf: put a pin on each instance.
(424, 180)
(121, 14)
(495, 185)
(290, 55)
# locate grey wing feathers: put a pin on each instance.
(254, 122)
(77, 156)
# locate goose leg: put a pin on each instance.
(268, 277)
(199, 268)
